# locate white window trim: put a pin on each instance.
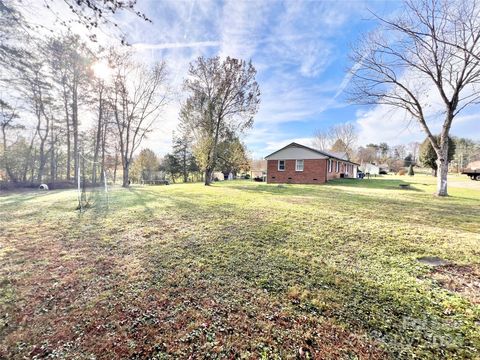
(337, 167)
(284, 165)
(296, 165)
(330, 165)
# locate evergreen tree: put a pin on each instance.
(410, 170)
(408, 160)
(182, 153)
(428, 155)
(171, 166)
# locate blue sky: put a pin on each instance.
(300, 49)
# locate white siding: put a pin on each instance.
(370, 168)
(294, 153)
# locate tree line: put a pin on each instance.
(343, 138)
(73, 110)
(58, 90)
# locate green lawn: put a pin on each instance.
(242, 270)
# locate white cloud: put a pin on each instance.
(177, 45)
(394, 126)
(263, 141)
(240, 26)
(383, 123)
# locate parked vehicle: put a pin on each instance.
(473, 174)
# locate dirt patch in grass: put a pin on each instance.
(432, 261)
(464, 280)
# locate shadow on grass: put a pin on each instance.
(315, 190)
(189, 205)
(375, 183)
(417, 206)
(273, 258)
(13, 199)
(352, 297)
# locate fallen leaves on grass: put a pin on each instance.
(464, 280)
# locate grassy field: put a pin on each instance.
(242, 270)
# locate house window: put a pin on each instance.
(329, 165)
(281, 165)
(298, 165)
(337, 166)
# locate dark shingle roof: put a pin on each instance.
(334, 155)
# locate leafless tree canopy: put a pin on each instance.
(431, 45)
(322, 140)
(138, 94)
(345, 134)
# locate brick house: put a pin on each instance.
(299, 164)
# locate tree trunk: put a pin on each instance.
(28, 160)
(6, 159)
(98, 138)
(75, 129)
(442, 166)
(102, 168)
(52, 157)
(208, 176)
(32, 170)
(125, 174)
(185, 170)
(68, 136)
(115, 167)
(42, 160)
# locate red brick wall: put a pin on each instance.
(312, 169)
(334, 174)
(342, 169)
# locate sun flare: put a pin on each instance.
(102, 70)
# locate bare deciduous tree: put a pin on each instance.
(433, 47)
(347, 135)
(342, 136)
(322, 140)
(138, 94)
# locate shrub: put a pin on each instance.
(402, 172)
(247, 176)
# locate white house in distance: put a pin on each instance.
(371, 169)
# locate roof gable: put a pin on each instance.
(295, 151)
(284, 154)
